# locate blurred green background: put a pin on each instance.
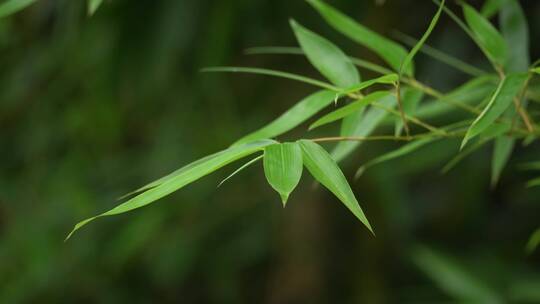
(93, 107)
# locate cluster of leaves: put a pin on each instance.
(496, 102)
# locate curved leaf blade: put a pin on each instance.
(388, 50)
(385, 79)
(508, 88)
(193, 173)
(283, 168)
(486, 35)
(326, 57)
(240, 169)
(10, 7)
(501, 154)
(348, 109)
(296, 115)
(324, 169)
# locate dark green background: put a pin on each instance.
(93, 107)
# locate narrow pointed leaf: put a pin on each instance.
(296, 115)
(491, 7)
(408, 59)
(534, 183)
(536, 70)
(508, 88)
(349, 109)
(182, 179)
(326, 57)
(93, 5)
(274, 73)
(323, 168)
(534, 240)
(530, 166)
(385, 79)
(515, 31)
(391, 52)
(10, 7)
(244, 166)
(361, 125)
(283, 168)
(486, 35)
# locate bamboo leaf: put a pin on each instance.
(299, 113)
(536, 70)
(326, 57)
(530, 166)
(491, 7)
(391, 52)
(10, 7)
(185, 177)
(283, 168)
(244, 166)
(274, 73)
(402, 151)
(348, 109)
(385, 79)
(508, 88)
(323, 168)
(360, 124)
(93, 5)
(515, 31)
(534, 183)
(486, 35)
(408, 59)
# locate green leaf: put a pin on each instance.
(402, 151)
(181, 179)
(508, 88)
(274, 73)
(326, 57)
(293, 117)
(487, 36)
(491, 7)
(360, 125)
(323, 168)
(515, 31)
(501, 154)
(408, 59)
(283, 168)
(452, 277)
(93, 5)
(385, 79)
(536, 70)
(534, 240)
(530, 166)
(349, 109)
(244, 166)
(391, 52)
(411, 99)
(10, 7)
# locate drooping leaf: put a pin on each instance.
(515, 31)
(501, 154)
(491, 7)
(486, 35)
(391, 52)
(349, 109)
(181, 179)
(452, 277)
(411, 99)
(473, 90)
(401, 151)
(385, 79)
(323, 168)
(283, 168)
(508, 88)
(244, 166)
(360, 125)
(534, 240)
(299, 113)
(10, 7)
(93, 5)
(274, 73)
(326, 57)
(408, 59)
